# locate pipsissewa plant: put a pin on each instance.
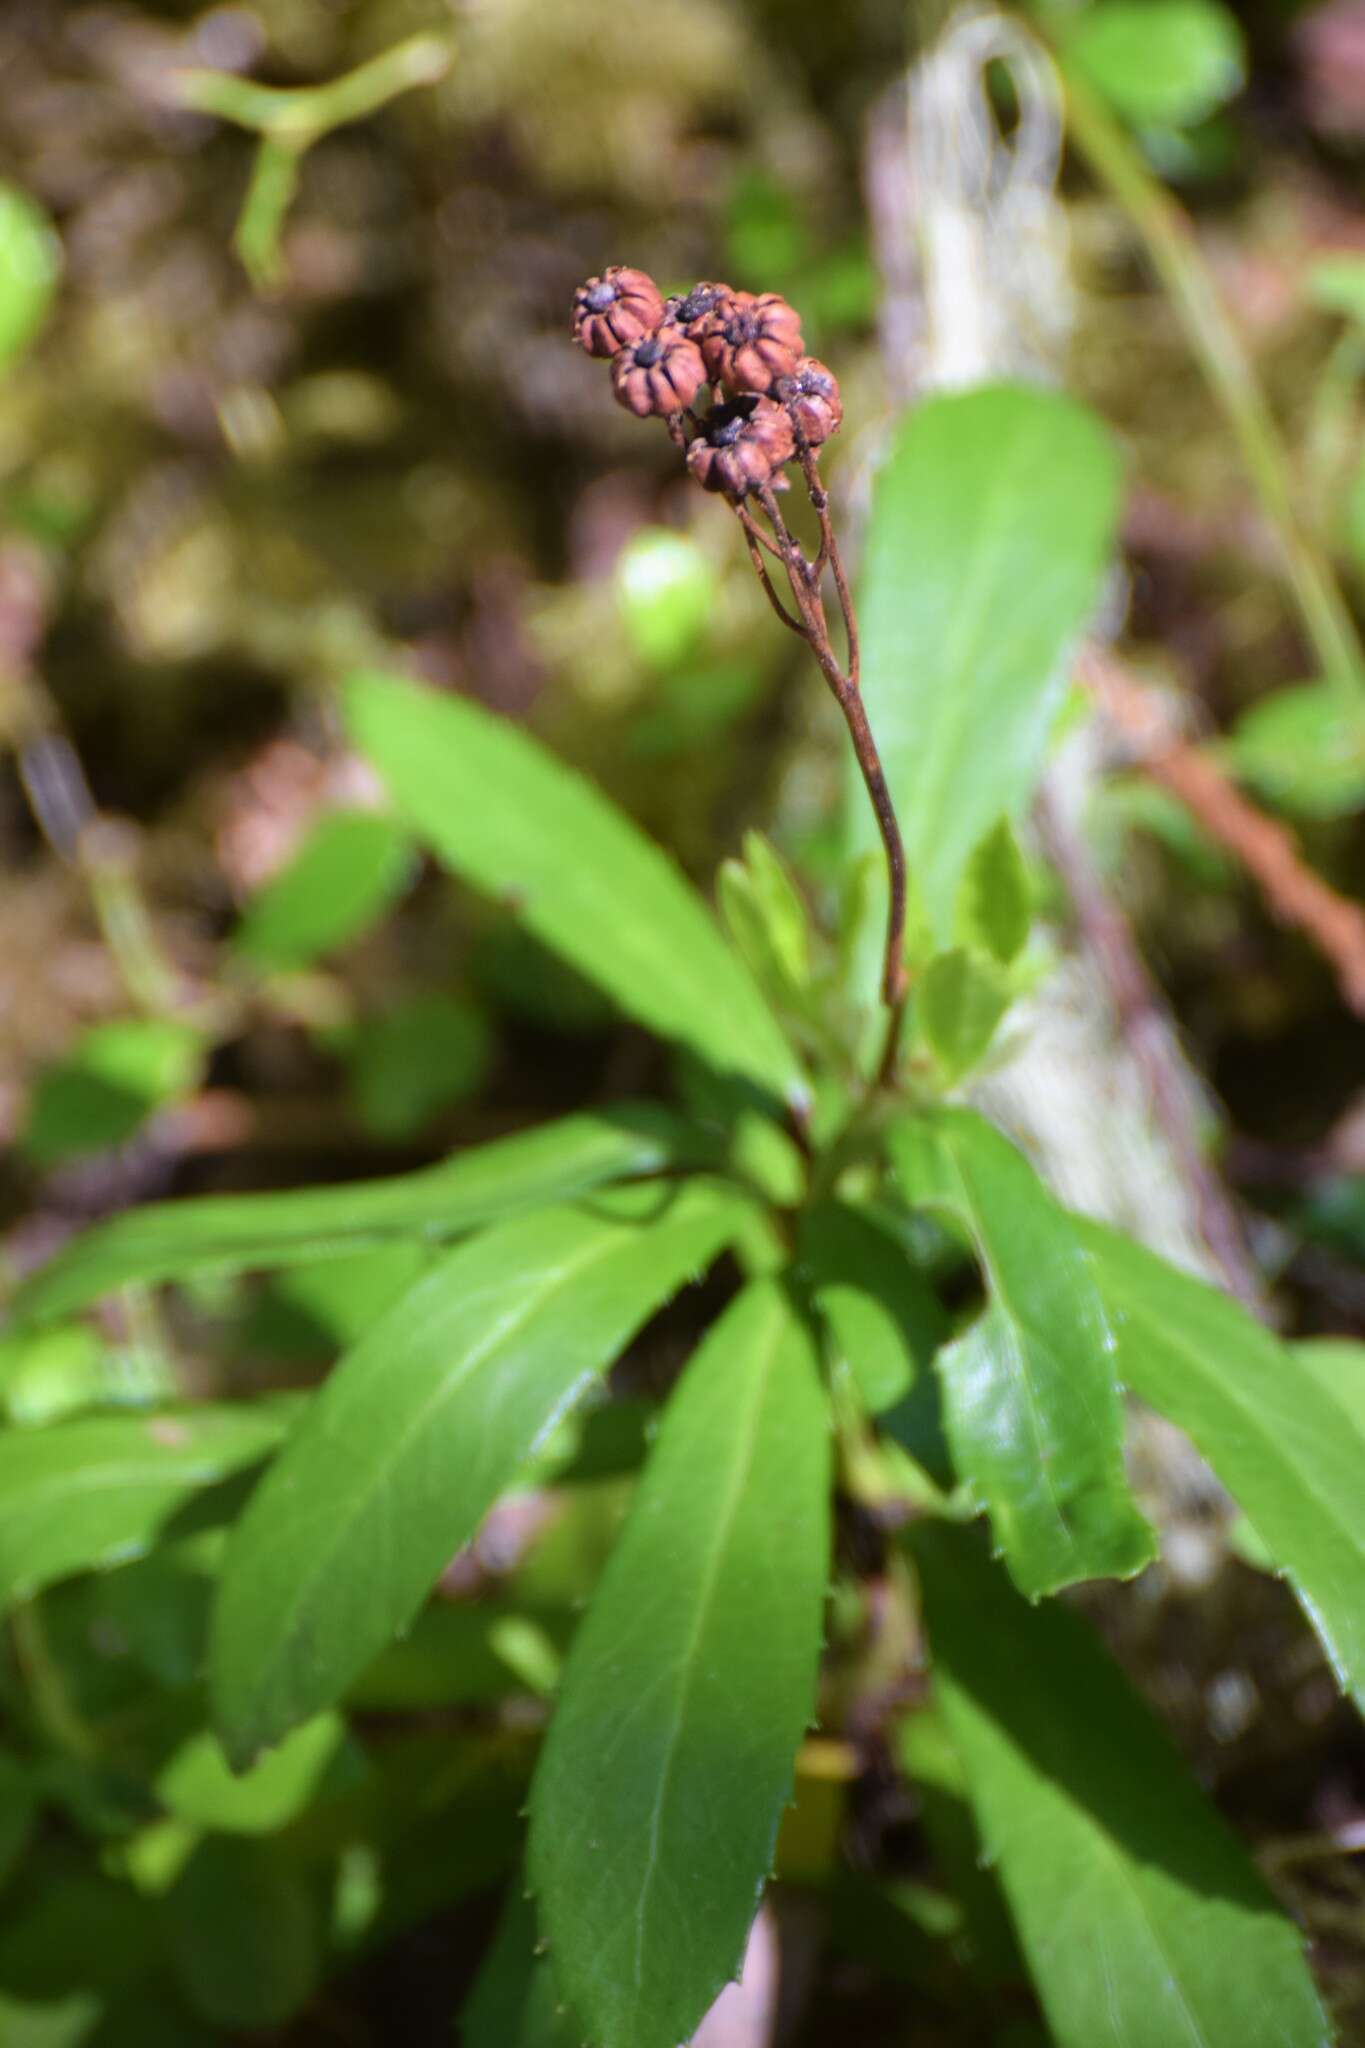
(852, 1200)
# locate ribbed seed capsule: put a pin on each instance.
(741, 446)
(752, 341)
(611, 311)
(661, 373)
(811, 397)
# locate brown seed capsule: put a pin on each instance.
(699, 310)
(615, 309)
(752, 341)
(811, 396)
(741, 446)
(660, 373)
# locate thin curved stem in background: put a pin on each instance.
(1174, 254)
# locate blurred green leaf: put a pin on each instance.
(419, 1429)
(994, 905)
(655, 1806)
(49, 1374)
(231, 1233)
(991, 523)
(1033, 1414)
(1337, 283)
(1159, 63)
(349, 869)
(884, 1320)
(782, 906)
(515, 2001)
(520, 825)
(322, 1308)
(30, 265)
(1144, 1922)
(664, 593)
(1275, 1439)
(197, 1784)
(692, 706)
(19, 1801)
(92, 1492)
(415, 1059)
(1300, 750)
(764, 234)
(959, 1000)
(245, 1934)
(107, 1084)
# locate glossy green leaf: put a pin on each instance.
(93, 1492)
(1275, 1438)
(883, 1319)
(421, 1426)
(107, 1084)
(233, 1233)
(1160, 63)
(1338, 1366)
(515, 2001)
(522, 826)
(244, 1934)
(1301, 750)
(1143, 1920)
(655, 1806)
(1031, 1403)
(994, 900)
(414, 1060)
(317, 1310)
(30, 264)
(991, 522)
(196, 1783)
(959, 1001)
(349, 869)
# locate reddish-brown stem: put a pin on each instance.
(844, 687)
(829, 552)
(753, 536)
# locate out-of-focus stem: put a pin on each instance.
(1170, 244)
(300, 114)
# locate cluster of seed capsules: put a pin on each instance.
(770, 401)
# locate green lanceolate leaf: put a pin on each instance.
(421, 1426)
(515, 2001)
(522, 826)
(233, 1233)
(96, 1491)
(883, 1319)
(1142, 1918)
(1338, 1366)
(1031, 1404)
(991, 522)
(655, 1807)
(349, 869)
(1279, 1442)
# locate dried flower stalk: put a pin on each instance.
(771, 405)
